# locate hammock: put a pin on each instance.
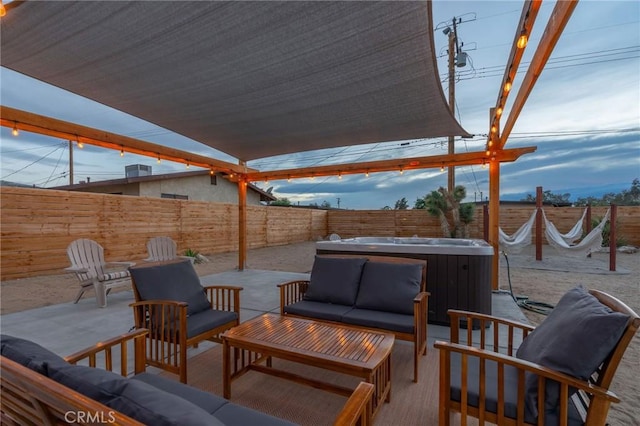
(576, 231)
(592, 242)
(512, 244)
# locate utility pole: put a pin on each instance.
(70, 162)
(338, 198)
(453, 43)
(457, 58)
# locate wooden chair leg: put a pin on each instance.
(80, 293)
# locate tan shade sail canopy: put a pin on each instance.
(251, 79)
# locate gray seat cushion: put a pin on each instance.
(574, 339)
(389, 287)
(228, 413)
(385, 320)
(176, 281)
(205, 400)
(153, 406)
(207, 320)
(491, 390)
(335, 280)
(236, 415)
(320, 310)
(99, 385)
(27, 353)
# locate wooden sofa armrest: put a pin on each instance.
(292, 292)
(29, 397)
(485, 320)
(105, 349)
(356, 410)
(224, 297)
(597, 394)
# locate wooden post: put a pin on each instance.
(612, 237)
(588, 227)
(485, 222)
(494, 220)
(539, 223)
(242, 223)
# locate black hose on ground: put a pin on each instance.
(523, 301)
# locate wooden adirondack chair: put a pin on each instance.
(161, 249)
(88, 264)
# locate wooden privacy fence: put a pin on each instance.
(37, 225)
(406, 223)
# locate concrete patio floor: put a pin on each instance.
(68, 327)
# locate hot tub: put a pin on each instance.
(458, 269)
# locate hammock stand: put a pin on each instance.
(590, 243)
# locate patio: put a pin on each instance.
(66, 328)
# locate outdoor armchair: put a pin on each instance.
(560, 374)
(163, 248)
(179, 312)
(88, 264)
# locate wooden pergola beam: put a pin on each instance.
(403, 164)
(555, 26)
(35, 123)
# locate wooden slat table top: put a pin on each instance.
(327, 342)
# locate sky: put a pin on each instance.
(583, 116)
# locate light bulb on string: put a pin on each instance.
(15, 131)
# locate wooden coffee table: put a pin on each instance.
(347, 350)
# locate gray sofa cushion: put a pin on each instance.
(205, 400)
(320, 310)
(207, 320)
(171, 281)
(378, 319)
(575, 339)
(389, 287)
(491, 390)
(99, 385)
(27, 353)
(236, 415)
(153, 406)
(335, 280)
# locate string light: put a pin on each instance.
(3, 10)
(121, 152)
(340, 176)
(289, 179)
(15, 132)
(484, 164)
(494, 129)
(401, 171)
(187, 165)
(522, 40)
(211, 172)
(366, 173)
(442, 167)
(499, 112)
(507, 85)
(159, 160)
(80, 145)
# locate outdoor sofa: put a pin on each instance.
(372, 292)
(39, 387)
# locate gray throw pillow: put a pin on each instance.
(27, 353)
(389, 287)
(574, 339)
(335, 280)
(176, 281)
